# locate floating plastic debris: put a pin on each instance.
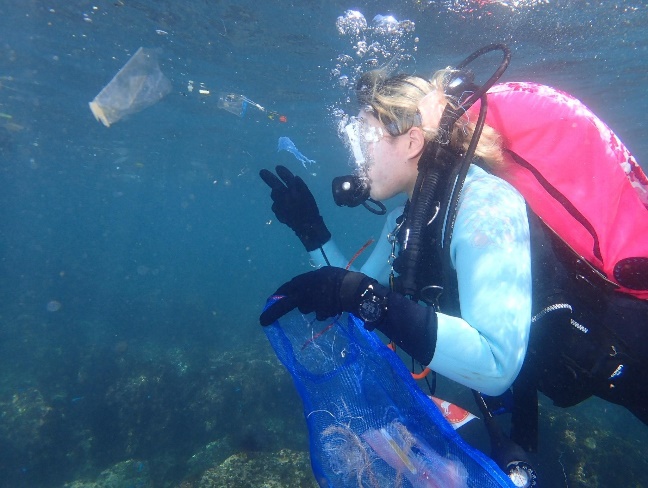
(139, 84)
(285, 144)
(237, 104)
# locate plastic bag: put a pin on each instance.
(233, 103)
(285, 144)
(139, 84)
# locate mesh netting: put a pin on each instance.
(369, 423)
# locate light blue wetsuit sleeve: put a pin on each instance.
(333, 254)
(490, 250)
(377, 265)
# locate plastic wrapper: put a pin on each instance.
(139, 84)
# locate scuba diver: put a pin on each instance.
(466, 278)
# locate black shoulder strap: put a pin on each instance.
(436, 280)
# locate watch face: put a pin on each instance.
(371, 309)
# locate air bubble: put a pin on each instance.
(351, 23)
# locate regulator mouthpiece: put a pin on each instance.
(350, 191)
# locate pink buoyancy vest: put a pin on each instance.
(574, 173)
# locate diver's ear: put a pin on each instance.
(416, 142)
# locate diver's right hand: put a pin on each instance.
(294, 205)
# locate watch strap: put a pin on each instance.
(351, 289)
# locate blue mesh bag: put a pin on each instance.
(369, 423)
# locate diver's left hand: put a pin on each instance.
(328, 292)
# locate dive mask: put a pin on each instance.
(353, 190)
(357, 135)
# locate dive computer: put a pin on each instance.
(372, 307)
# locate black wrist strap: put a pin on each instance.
(351, 289)
(411, 326)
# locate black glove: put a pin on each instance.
(295, 206)
(330, 291)
(327, 291)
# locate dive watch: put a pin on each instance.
(372, 307)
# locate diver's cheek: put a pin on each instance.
(373, 184)
(381, 192)
(370, 173)
(376, 184)
(375, 193)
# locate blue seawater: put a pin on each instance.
(135, 259)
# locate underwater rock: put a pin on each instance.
(183, 413)
(580, 449)
(126, 473)
(284, 468)
(23, 417)
(211, 455)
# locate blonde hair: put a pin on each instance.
(395, 102)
